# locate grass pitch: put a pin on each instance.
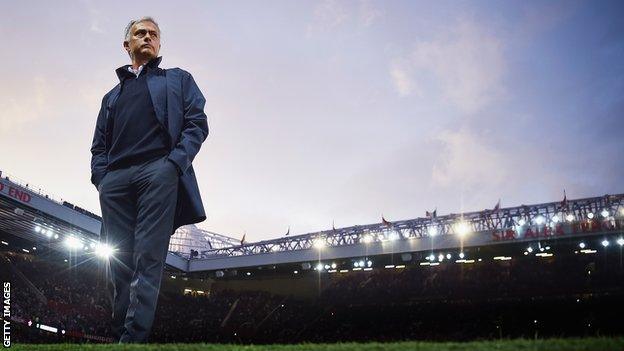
(571, 344)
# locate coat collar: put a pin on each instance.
(153, 63)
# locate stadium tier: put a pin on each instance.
(44, 220)
(553, 269)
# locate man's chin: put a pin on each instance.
(146, 55)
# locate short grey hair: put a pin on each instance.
(127, 33)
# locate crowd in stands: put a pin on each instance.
(56, 294)
(565, 295)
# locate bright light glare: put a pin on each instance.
(582, 245)
(605, 213)
(539, 220)
(367, 239)
(461, 255)
(521, 222)
(319, 243)
(462, 228)
(570, 217)
(555, 219)
(433, 231)
(605, 243)
(103, 250)
(590, 215)
(72, 242)
(620, 241)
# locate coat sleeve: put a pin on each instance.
(194, 127)
(99, 159)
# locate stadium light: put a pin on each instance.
(620, 241)
(367, 239)
(56, 236)
(355, 264)
(555, 219)
(319, 267)
(539, 220)
(369, 263)
(319, 243)
(103, 250)
(432, 230)
(605, 213)
(327, 266)
(605, 243)
(462, 228)
(431, 257)
(461, 255)
(448, 256)
(72, 242)
(393, 236)
(570, 217)
(529, 249)
(582, 245)
(440, 257)
(590, 215)
(521, 222)
(37, 229)
(361, 263)
(333, 266)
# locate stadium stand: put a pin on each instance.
(567, 294)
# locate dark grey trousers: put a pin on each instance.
(138, 206)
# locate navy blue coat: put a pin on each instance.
(179, 107)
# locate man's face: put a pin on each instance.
(144, 43)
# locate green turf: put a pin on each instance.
(576, 344)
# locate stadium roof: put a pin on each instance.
(34, 216)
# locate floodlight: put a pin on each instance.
(432, 230)
(103, 250)
(319, 243)
(72, 242)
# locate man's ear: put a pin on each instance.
(126, 45)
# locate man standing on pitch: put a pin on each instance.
(149, 129)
